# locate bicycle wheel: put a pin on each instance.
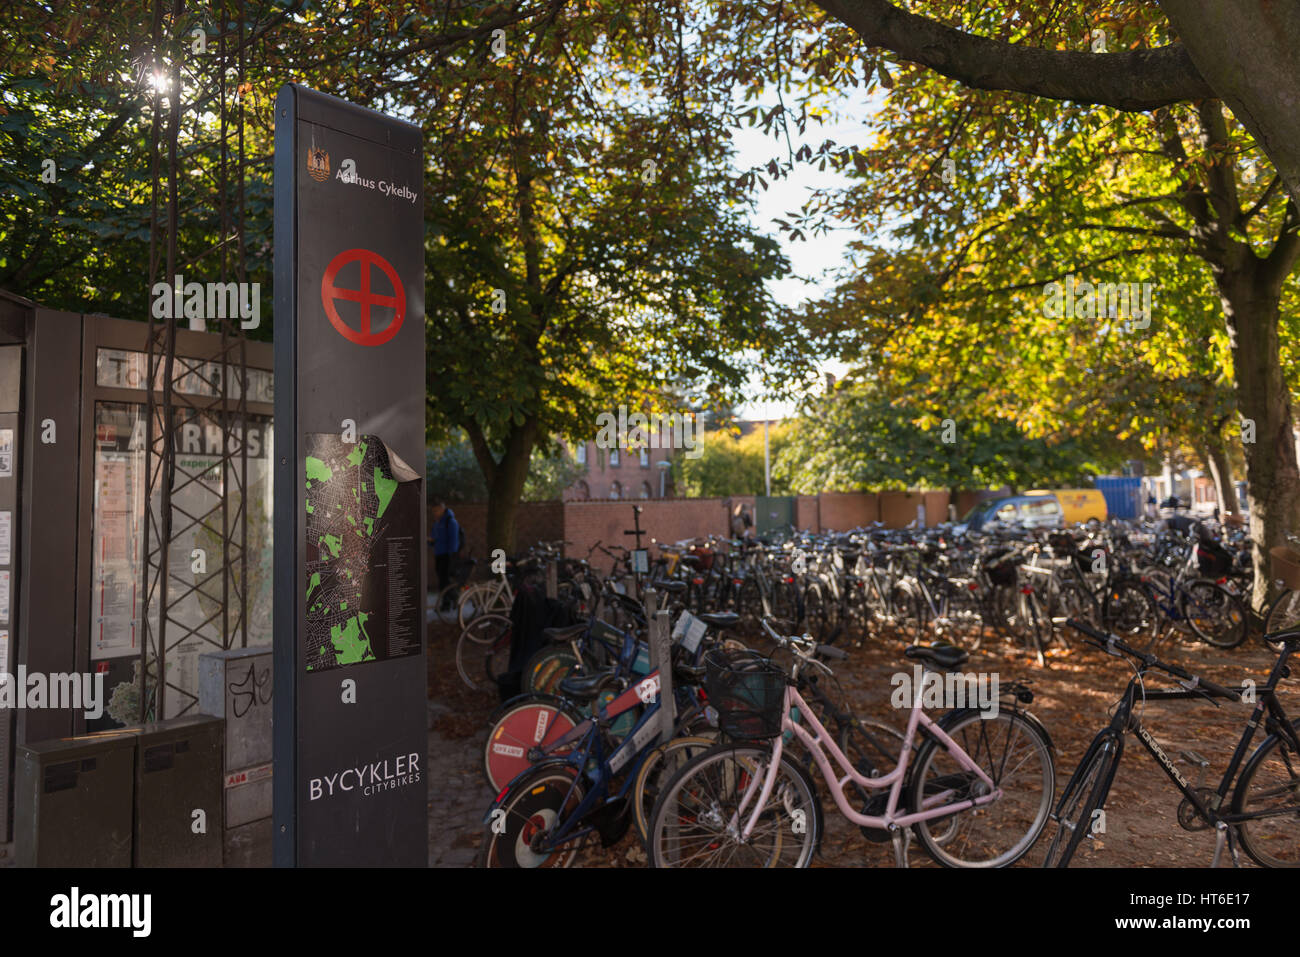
(1215, 615)
(1269, 787)
(690, 823)
(965, 617)
(785, 604)
(1075, 601)
(909, 614)
(1283, 615)
(658, 766)
(1032, 624)
(478, 640)
(1084, 794)
(531, 721)
(523, 817)
(499, 600)
(472, 601)
(749, 604)
(814, 611)
(1130, 612)
(547, 668)
(1015, 753)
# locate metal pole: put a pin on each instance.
(767, 458)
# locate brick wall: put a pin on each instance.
(897, 509)
(844, 510)
(534, 522)
(669, 520)
(936, 507)
(807, 514)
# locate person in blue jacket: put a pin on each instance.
(445, 537)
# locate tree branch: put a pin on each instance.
(1132, 81)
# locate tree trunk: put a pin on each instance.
(1246, 50)
(505, 482)
(1216, 455)
(1262, 398)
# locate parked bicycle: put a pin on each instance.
(1262, 812)
(976, 793)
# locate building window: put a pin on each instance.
(616, 491)
(613, 458)
(645, 458)
(580, 454)
(645, 489)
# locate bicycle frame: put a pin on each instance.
(1267, 708)
(819, 742)
(633, 748)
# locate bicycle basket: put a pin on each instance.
(705, 556)
(1062, 543)
(748, 692)
(1286, 565)
(1213, 559)
(1003, 571)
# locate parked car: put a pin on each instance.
(1017, 511)
(1077, 504)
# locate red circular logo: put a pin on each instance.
(330, 294)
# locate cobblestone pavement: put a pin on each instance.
(458, 794)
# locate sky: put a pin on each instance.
(814, 258)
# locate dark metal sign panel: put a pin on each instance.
(350, 718)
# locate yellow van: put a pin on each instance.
(1077, 504)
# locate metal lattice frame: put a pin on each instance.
(224, 517)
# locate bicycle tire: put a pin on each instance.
(1269, 834)
(1219, 603)
(1030, 621)
(521, 723)
(471, 603)
(650, 776)
(531, 805)
(1020, 814)
(477, 641)
(1128, 610)
(1084, 795)
(788, 830)
(909, 614)
(1283, 614)
(814, 610)
(547, 668)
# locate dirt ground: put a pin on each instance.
(1072, 696)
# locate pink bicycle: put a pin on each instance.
(976, 789)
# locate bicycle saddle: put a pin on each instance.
(720, 619)
(670, 585)
(585, 687)
(943, 657)
(566, 633)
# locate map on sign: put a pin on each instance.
(364, 531)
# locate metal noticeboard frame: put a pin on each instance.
(350, 780)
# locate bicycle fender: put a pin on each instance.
(520, 779)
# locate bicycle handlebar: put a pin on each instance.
(1113, 643)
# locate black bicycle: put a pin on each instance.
(1263, 814)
